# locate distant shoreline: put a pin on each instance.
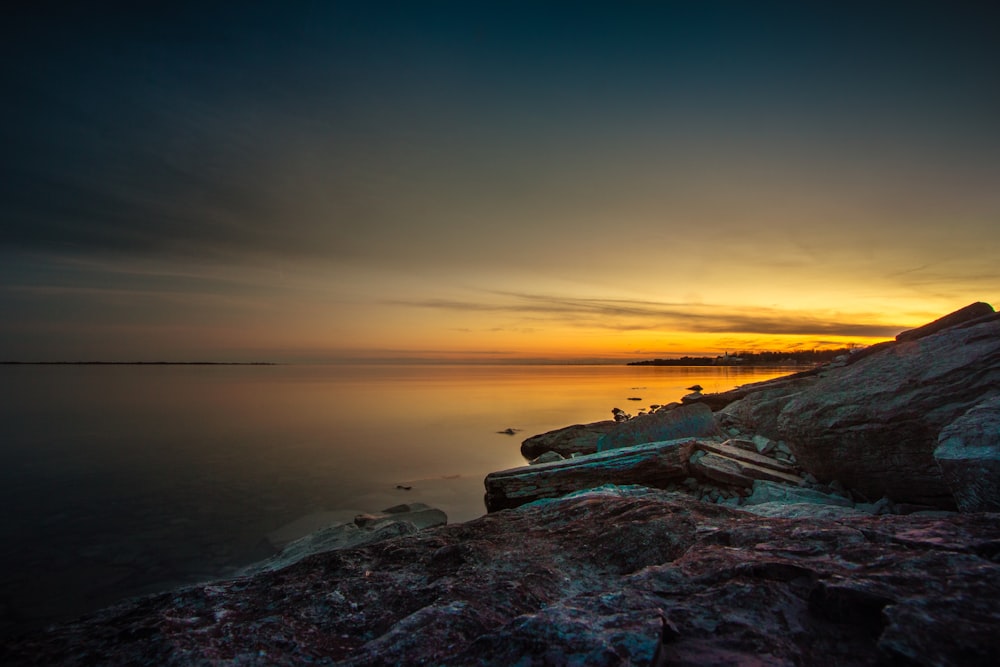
(792, 358)
(139, 363)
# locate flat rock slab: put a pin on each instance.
(653, 464)
(740, 454)
(583, 581)
(739, 473)
(689, 421)
(771, 492)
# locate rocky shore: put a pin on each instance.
(848, 515)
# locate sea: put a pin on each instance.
(124, 480)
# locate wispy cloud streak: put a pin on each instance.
(627, 314)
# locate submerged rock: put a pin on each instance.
(585, 580)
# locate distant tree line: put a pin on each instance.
(747, 358)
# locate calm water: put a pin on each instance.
(124, 480)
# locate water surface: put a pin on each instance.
(124, 480)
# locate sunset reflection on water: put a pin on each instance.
(131, 479)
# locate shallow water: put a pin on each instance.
(124, 480)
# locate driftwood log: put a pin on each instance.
(653, 464)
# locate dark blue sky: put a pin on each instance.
(494, 147)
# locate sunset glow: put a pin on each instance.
(470, 182)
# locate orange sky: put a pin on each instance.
(480, 182)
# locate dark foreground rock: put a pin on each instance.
(583, 581)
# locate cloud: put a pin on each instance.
(634, 314)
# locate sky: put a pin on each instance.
(491, 181)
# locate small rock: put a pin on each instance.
(693, 397)
(634, 398)
(837, 487)
(742, 443)
(548, 457)
(763, 444)
(883, 506)
(509, 431)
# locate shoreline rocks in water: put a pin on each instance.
(809, 524)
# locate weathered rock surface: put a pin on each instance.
(720, 400)
(575, 439)
(968, 454)
(653, 464)
(806, 510)
(689, 421)
(364, 529)
(740, 454)
(583, 581)
(770, 492)
(737, 472)
(971, 312)
(874, 423)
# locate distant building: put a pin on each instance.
(727, 360)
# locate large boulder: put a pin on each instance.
(968, 454)
(690, 421)
(757, 411)
(874, 423)
(584, 581)
(575, 439)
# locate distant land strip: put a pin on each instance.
(139, 363)
(752, 359)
